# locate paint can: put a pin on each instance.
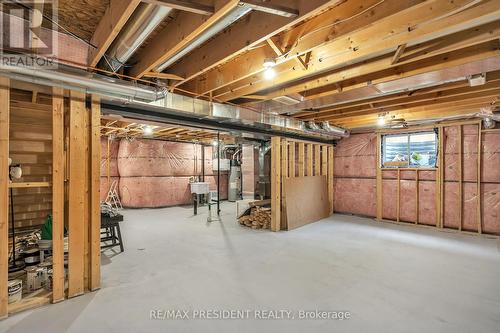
(36, 278)
(32, 256)
(15, 290)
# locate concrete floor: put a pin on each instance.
(391, 278)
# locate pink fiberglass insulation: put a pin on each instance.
(451, 218)
(490, 204)
(469, 153)
(490, 157)
(140, 158)
(355, 156)
(113, 155)
(355, 182)
(153, 192)
(355, 196)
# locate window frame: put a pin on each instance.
(384, 136)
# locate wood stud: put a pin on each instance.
(4, 196)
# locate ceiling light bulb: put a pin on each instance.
(381, 121)
(215, 143)
(269, 62)
(147, 130)
(269, 73)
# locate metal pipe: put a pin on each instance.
(140, 25)
(129, 97)
(70, 78)
(231, 17)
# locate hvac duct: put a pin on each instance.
(234, 15)
(140, 25)
(127, 98)
(69, 78)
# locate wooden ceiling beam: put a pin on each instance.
(492, 90)
(115, 17)
(427, 23)
(243, 36)
(176, 35)
(187, 6)
(345, 17)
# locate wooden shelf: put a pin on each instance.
(29, 184)
(36, 299)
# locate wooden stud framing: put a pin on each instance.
(398, 194)
(441, 177)
(309, 159)
(301, 159)
(379, 178)
(460, 176)
(58, 162)
(95, 207)
(275, 183)
(324, 160)
(76, 223)
(291, 158)
(317, 160)
(479, 145)
(331, 179)
(417, 198)
(4, 193)
(283, 166)
(284, 174)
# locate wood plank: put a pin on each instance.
(301, 161)
(115, 17)
(187, 6)
(309, 159)
(41, 298)
(460, 178)
(417, 196)
(95, 194)
(331, 179)
(304, 209)
(479, 144)
(275, 183)
(284, 174)
(77, 198)
(317, 159)
(29, 184)
(4, 195)
(58, 194)
(324, 160)
(291, 159)
(398, 196)
(379, 179)
(441, 176)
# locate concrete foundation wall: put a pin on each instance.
(355, 182)
(153, 173)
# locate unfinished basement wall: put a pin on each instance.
(155, 173)
(355, 182)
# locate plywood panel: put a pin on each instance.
(303, 208)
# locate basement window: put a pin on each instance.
(409, 150)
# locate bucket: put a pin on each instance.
(15, 290)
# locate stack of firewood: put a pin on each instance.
(259, 218)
